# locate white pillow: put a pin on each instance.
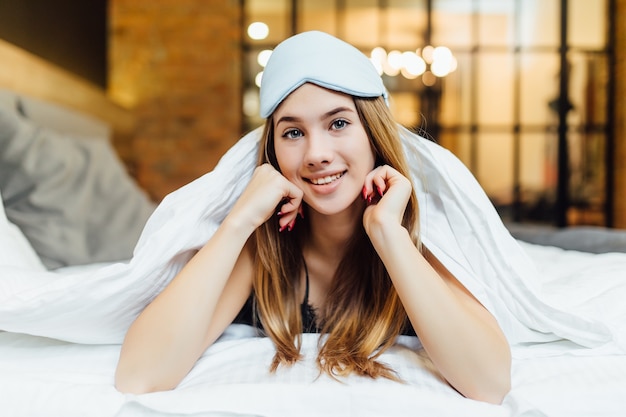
(15, 250)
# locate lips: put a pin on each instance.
(327, 179)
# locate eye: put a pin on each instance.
(292, 134)
(339, 124)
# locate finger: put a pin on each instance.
(290, 209)
(375, 184)
(287, 206)
(380, 184)
(368, 185)
(287, 221)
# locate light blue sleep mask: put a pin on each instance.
(321, 59)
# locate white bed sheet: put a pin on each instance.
(46, 377)
(43, 377)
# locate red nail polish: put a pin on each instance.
(364, 192)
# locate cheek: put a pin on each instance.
(366, 150)
(369, 155)
(286, 161)
(372, 157)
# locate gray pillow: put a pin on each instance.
(70, 196)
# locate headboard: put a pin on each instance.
(32, 76)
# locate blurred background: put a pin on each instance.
(529, 94)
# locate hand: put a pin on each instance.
(267, 190)
(387, 193)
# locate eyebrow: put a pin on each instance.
(324, 116)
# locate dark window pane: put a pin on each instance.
(587, 178)
(588, 83)
(538, 176)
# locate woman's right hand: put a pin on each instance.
(268, 193)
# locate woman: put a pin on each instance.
(324, 238)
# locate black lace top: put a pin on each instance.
(248, 316)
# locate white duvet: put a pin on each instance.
(46, 377)
(565, 320)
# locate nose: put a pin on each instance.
(320, 151)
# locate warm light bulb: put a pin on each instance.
(406, 74)
(379, 54)
(427, 54)
(389, 70)
(258, 79)
(442, 53)
(442, 61)
(440, 68)
(412, 64)
(258, 30)
(263, 57)
(394, 59)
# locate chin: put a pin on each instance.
(330, 208)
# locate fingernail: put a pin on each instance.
(364, 192)
(301, 211)
(291, 225)
(280, 213)
(280, 229)
(369, 199)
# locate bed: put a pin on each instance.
(57, 265)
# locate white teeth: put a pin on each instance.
(326, 180)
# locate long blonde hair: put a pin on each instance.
(363, 313)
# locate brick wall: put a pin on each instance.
(620, 118)
(176, 63)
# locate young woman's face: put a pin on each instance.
(322, 147)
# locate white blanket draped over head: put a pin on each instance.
(458, 224)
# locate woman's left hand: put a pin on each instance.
(387, 193)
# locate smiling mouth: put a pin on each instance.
(327, 179)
